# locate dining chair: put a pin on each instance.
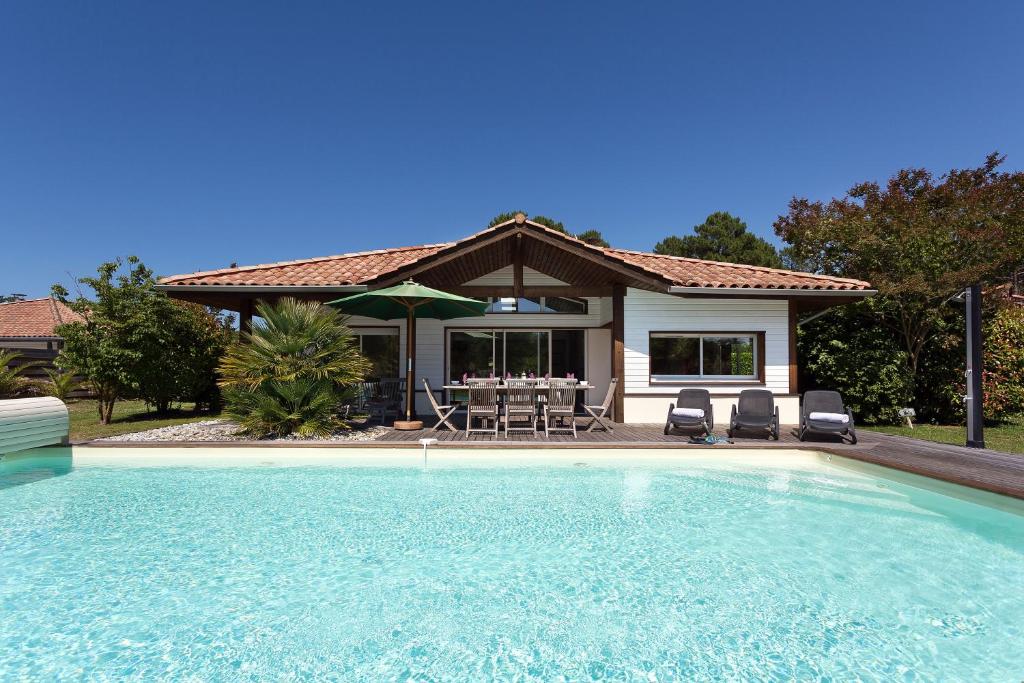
(483, 405)
(387, 399)
(561, 404)
(521, 404)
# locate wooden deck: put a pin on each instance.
(983, 469)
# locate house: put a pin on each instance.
(27, 327)
(559, 305)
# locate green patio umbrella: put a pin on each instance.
(409, 300)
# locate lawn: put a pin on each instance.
(129, 416)
(1008, 436)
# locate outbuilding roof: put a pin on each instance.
(34, 318)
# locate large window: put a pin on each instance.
(681, 357)
(380, 346)
(537, 304)
(479, 353)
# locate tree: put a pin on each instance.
(839, 352)
(918, 240)
(593, 237)
(9, 298)
(291, 373)
(589, 236)
(134, 341)
(543, 220)
(504, 218)
(722, 237)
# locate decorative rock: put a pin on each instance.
(226, 430)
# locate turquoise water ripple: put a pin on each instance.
(648, 573)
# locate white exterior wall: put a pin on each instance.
(644, 312)
(650, 311)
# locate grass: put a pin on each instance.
(129, 416)
(1008, 437)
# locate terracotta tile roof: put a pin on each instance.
(34, 317)
(691, 272)
(343, 269)
(363, 267)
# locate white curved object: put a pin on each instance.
(31, 422)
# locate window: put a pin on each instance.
(478, 353)
(678, 356)
(536, 304)
(380, 346)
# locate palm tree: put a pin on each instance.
(289, 374)
(12, 381)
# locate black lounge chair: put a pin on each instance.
(827, 403)
(756, 411)
(693, 399)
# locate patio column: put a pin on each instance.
(619, 350)
(794, 374)
(245, 315)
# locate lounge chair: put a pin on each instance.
(756, 411)
(599, 414)
(823, 412)
(692, 410)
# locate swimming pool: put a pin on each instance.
(229, 564)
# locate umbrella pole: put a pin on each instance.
(410, 374)
(410, 363)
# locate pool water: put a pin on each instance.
(579, 568)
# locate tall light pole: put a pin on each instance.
(974, 398)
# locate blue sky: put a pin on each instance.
(195, 135)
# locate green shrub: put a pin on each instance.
(844, 350)
(1004, 363)
(290, 375)
(13, 383)
(61, 384)
(135, 342)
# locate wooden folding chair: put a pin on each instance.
(443, 412)
(483, 405)
(521, 404)
(599, 414)
(561, 405)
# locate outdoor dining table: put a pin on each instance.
(541, 386)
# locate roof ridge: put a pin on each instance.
(26, 301)
(55, 311)
(315, 259)
(744, 266)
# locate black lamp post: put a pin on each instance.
(975, 412)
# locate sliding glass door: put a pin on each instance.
(479, 353)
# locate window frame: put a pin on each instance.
(758, 379)
(549, 330)
(381, 330)
(492, 300)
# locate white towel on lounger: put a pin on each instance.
(688, 412)
(838, 418)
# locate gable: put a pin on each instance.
(505, 277)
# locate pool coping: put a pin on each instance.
(985, 470)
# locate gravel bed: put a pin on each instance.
(225, 430)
